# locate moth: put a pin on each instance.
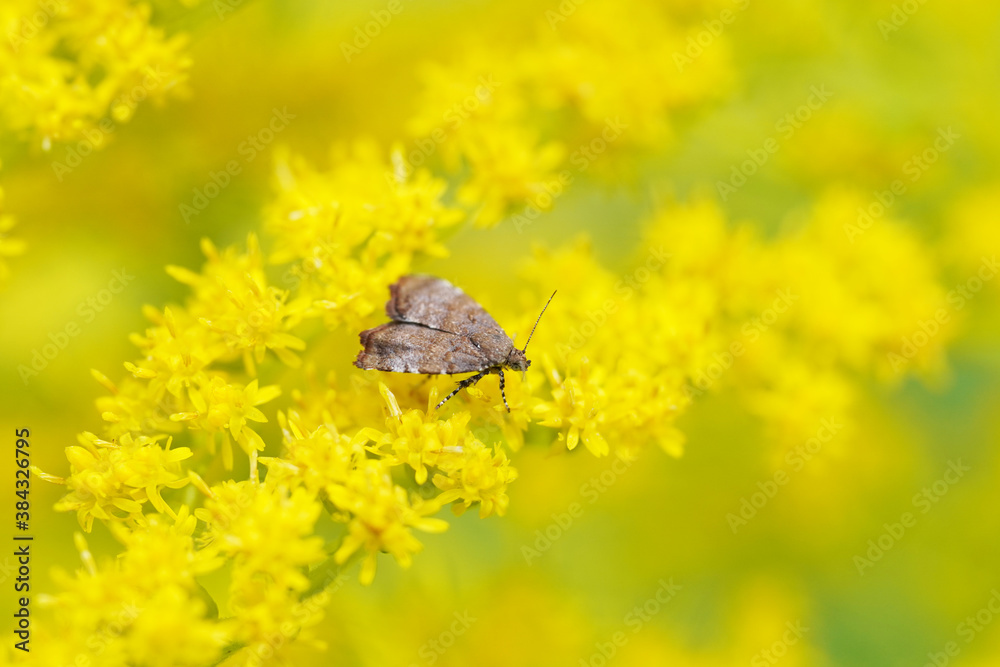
(438, 329)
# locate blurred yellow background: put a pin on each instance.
(760, 553)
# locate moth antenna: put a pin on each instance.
(536, 321)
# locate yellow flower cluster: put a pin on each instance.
(355, 476)
(266, 532)
(71, 70)
(796, 320)
(147, 607)
(351, 231)
(520, 123)
(234, 314)
(144, 608)
(111, 480)
(189, 385)
(789, 323)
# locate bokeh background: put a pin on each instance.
(898, 74)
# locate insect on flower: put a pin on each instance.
(438, 329)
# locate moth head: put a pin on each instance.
(516, 361)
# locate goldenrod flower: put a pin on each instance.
(474, 473)
(577, 408)
(178, 353)
(267, 530)
(416, 438)
(233, 301)
(382, 516)
(135, 406)
(69, 67)
(112, 480)
(353, 230)
(225, 408)
(143, 608)
(509, 167)
(313, 458)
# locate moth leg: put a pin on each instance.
(462, 385)
(502, 394)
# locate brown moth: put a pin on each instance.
(438, 329)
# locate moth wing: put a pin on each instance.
(437, 303)
(402, 347)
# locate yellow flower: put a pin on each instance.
(352, 231)
(415, 437)
(576, 408)
(266, 529)
(490, 422)
(473, 473)
(68, 66)
(178, 352)
(789, 321)
(616, 351)
(173, 631)
(509, 167)
(639, 73)
(382, 516)
(112, 480)
(227, 408)
(143, 608)
(232, 300)
(135, 406)
(312, 458)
